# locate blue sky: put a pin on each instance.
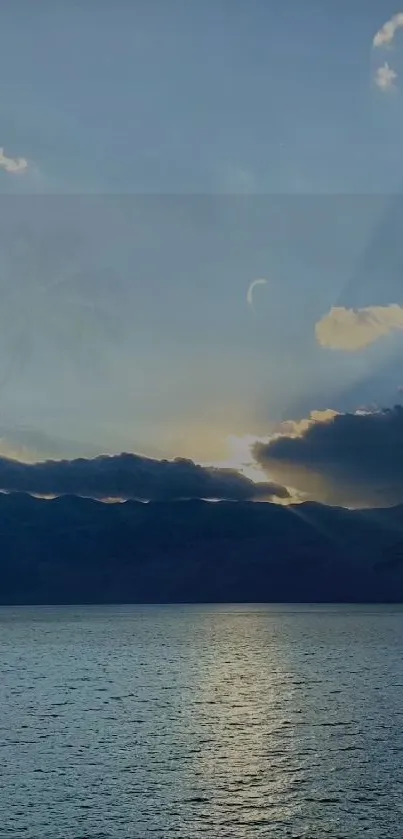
(176, 151)
(185, 96)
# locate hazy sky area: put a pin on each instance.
(157, 158)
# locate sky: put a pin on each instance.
(158, 158)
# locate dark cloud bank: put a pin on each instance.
(129, 476)
(352, 459)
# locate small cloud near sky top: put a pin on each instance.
(386, 76)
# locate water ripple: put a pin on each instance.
(192, 722)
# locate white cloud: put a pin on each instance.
(384, 37)
(385, 77)
(356, 329)
(13, 165)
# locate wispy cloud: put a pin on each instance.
(385, 77)
(13, 165)
(385, 36)
(355, 329)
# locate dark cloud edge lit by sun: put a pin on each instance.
(350, 459)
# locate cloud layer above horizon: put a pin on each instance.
(352, 459)
(130, 476)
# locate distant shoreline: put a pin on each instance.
(74, 551)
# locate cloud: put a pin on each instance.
(295, 428)
(132, 476)
(353, 459)
(13, 165)
(385, 77)
(355, 329)
(385, 36)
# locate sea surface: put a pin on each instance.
(201, 721)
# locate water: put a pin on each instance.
(216, 721)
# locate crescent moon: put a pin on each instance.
(249, 296)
